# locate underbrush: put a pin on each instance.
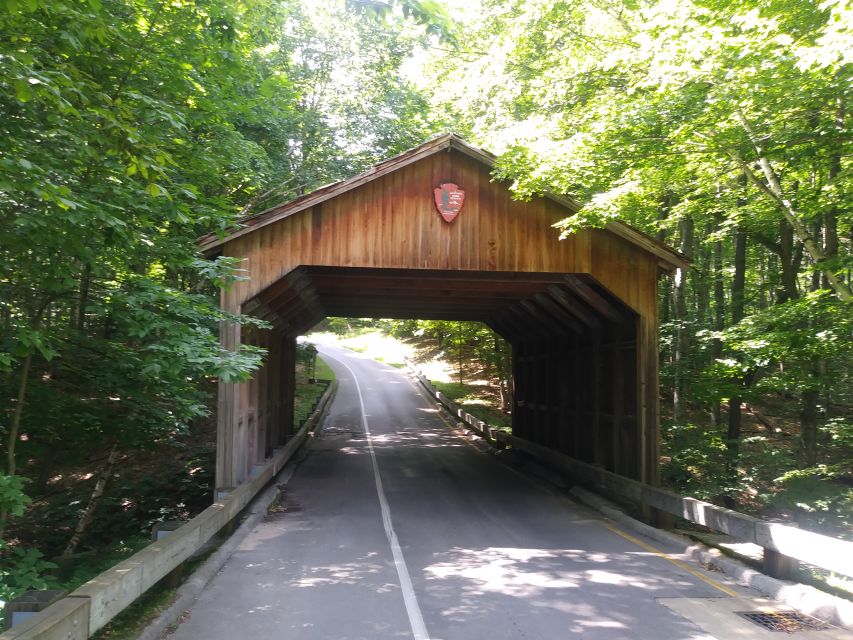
(174, 481)
(477, 399)
(308, 390)
(766, 480)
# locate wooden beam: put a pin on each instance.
(497, 326)
(577, 308)
(559, 313)
(512, 323)
(532, 329)
(288, 379)
(309, 320)
(548, 324)
(594, 299)
(292, 283)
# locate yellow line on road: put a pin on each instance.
(677, 563)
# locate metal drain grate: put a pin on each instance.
(784, 621)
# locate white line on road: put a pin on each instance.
(416, 619)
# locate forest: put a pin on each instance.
(130, 128)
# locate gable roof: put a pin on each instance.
(668, 258)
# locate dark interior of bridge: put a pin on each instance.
(575, 365)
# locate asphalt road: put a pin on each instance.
(394, 526)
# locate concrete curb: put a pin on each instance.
(799, 596)
(189, 591)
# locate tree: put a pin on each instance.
(130, 128)
(718, 126)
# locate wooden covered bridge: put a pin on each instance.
(430, 235)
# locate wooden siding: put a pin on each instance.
(392, 222)
(587, 373)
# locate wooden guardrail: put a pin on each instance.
(779, 541)
(87, 609)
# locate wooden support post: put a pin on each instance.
(577, 398)
(517, 418)
(227, 414)
(262, 415)
(648, 426)
(618, 403)
(240, 439)
(252, 407)
(288, 386)
(596, 363)
(564, 374)
(273, 393)
(532, 370)
(552, 381)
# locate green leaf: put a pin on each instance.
(23, 90)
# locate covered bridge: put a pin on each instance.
(581, 313)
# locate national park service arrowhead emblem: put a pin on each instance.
(449, 199)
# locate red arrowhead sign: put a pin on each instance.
(449, 199)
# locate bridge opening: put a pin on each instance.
(575, 378)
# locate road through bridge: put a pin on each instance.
(396, 526)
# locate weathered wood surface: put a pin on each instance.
(391, 223)
(667, 257)
(376, 246)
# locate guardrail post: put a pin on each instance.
(661, 519)
(28, 604)
(160, 530)
(779, 566)
(770, 534)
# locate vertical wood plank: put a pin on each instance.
(595, 400)
(226, 415)
(618, 403)
(288, 362)
(263, 401)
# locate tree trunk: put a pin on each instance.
(503, 370)
(790, 264)
(830, 222)
(809, 422)
(702, 278)
(94, 500)
(771, 187)
(681, 333)
(719, 308)
(83, 297)
(14, 429)
(818, 281)
(733, 431)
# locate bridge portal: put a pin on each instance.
(430, 235)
